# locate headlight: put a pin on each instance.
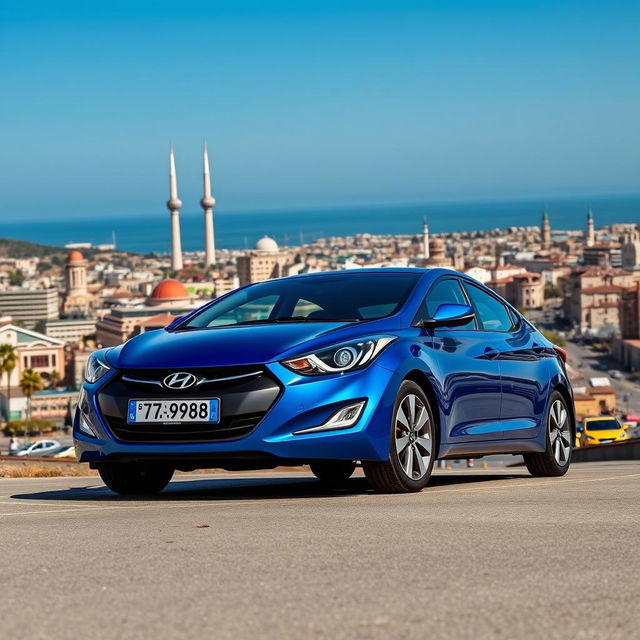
(346, 356)
(95, 369)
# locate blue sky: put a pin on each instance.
(314, 103)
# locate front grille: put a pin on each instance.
(237, 427)
(246, 394)
(208, 378)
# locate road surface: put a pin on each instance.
(479, 554)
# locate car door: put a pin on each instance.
(463, 363)
(36, 450)
(524, 363)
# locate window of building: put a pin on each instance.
(39, 361)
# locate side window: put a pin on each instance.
(491, 313)
(444, 291)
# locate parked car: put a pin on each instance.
(40, 448)
(602, 430)
(391, 367)
(615, 374)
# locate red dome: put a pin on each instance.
(75, 256)
(169, 290)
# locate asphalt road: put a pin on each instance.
(479, 554)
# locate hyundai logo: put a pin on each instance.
(180, 380)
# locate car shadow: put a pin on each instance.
(253, 488)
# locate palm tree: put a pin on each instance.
(8, 362)
(30, 382)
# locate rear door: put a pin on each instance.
(524, 363)
(463, 362)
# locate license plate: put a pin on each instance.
(174, 411)
(605, 441)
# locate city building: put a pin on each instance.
(29, 306)
(77, 299)
(523, 289)
(35, 351)
(265, 262)
(121, 323)
(438, 254)
(630, 252)
(605, 255)
(70, 330)
(592, 299)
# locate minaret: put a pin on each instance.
(174, 204)
(425, 238)
(207, 203)
(591, 234)
(546, 230)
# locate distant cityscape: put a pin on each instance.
(58, 307)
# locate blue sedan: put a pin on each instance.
(391, 367)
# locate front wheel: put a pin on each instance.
(131, 478)
(557, 456)
(412, 445)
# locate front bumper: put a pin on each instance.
(303, 402)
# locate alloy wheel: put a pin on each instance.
(413, 436)
(559, 432)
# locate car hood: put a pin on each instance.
(222, 346)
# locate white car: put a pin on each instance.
(39, 448)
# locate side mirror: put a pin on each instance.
(449, 315)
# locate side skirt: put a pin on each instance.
(492, 447)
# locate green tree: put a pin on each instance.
(30, 382)
(552, 291)
(8, 362)
(16, 278)
(54, 381)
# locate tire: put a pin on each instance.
(411, 457)
(559, 428)
(127, 479)
(333, 472)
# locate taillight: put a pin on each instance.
(561, 352)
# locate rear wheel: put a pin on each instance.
(333, 472)
(412, 445)
(557, 457)
(131, 478)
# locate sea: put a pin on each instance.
(146, 233)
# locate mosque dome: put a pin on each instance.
(168, 290)
(75, 256)
(266, 244)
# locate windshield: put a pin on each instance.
(603, 425)
(340, 297)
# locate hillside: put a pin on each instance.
(20, 249)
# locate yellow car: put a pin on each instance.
(601, 430)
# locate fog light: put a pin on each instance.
(341, 419)
(85, 427)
